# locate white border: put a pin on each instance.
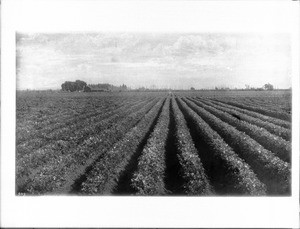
(165, 16)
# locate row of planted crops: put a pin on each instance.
(153, 144)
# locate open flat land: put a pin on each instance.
(204, 143)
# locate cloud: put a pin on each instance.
(204, 59)
(199, 44)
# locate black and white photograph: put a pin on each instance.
(149, 114)
(153, 114)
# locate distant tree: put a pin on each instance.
(78, 85)
(68, 86)
(192, 88)
(268, 87)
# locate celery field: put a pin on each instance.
(180, 143)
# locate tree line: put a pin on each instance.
(80, 85)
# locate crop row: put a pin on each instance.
(195, 181)
(104, 176)
(65, 113)
(276, 114)
(149, 176)
(269, 168)
(275, 121)
(44, 109)
(269, 141)
(227, 172)
(272, 128)
(48, 112)
(81, 130)
(63, 169)
(59, 122)
(34, 160)
(275, 104)
(75, 133)
(153, 145)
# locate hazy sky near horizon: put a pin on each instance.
(172, 60)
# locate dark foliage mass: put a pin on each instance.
(78, 85)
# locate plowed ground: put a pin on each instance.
(206, 143)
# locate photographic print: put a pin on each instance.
(150, 114)
(153, 114)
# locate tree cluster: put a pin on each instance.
(78, 85)
(268, 87)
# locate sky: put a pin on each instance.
(154, 59)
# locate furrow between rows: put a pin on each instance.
(272, 128)
(148, 179)
(106, 173)
(40, 156)
(274, 114)
(55, 122)
(73, 131)
(191, 170)
(277, 122)
(269, 141)
(60, 175)
(269, 168)
(228, 173)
